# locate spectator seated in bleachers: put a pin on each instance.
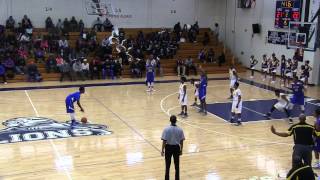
(9, 66)
(95, 68)
(86, 68)
(221, 59)
(202, 55)
(206, 39)
(77, 69)
(190, 66)
(107, 25)
(33, 73)
(211, 56)
(117, 69)
(3, 74)
(97, 25)
(65, 70)
(39, 55)
(10, 23)
(51, 64)
(135, 69)
(181, 68)
(59, 61)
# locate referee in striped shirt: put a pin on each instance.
(172, 145)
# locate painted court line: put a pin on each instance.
(212, 131)
(50, 140)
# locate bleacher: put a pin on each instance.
(186, 49)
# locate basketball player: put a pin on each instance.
(150, 76)
(233, 79)
(295, 63)
(264, 67)
(317, 139)
(253, 63)
(196, 91)
(183, 97)
(203, 93)
(236, 104)
(288, 73)
(70, 100)
(298, 94)
(281, 105)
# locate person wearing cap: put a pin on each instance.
(303, 141)
(172, 145)
(85, 68)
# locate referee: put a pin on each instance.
(172, 145)
(303, 141)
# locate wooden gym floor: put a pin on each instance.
(213, 148)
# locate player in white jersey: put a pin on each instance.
(196, 91)
(233, 79)
(183, 98)
(281, 105)
(236, 104)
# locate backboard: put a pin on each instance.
(98, 7)
(302, 35)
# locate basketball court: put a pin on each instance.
(129, 147)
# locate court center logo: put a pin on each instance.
(39, 128)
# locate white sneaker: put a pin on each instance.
(251, 77)
(316, 165)
(5, 83)
(263, 79)
(148, 90)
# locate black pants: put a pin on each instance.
(4, 78)
(172, 150)
(302, 154)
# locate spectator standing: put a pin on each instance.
(172, 145)
(10, 23)
(202, 55)
(97, 25)
(181, 68)
(107, 25)
(49, 23)
(216, 32)
(206, 39)
(73, 24)
(211, 56)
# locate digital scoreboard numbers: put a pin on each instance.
(286, 11)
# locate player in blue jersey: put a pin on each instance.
(70, 100)
(317, 139)
(297, 89)
(202, 93)
(150, 76)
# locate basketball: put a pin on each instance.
(84, 120)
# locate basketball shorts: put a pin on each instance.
(235, 109)
(280, 106)
(183, 102)
(252, 67)
(298, 100)
(232, 82)
(202, 95)
(196, 93)
(274, 71)
(264, 69)
(69, 107)
(150, 78)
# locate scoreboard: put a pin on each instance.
(286, 11)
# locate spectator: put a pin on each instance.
(117, 69)
(206, 39)
(59, 25)
(216, 32)
(73, 24)
(221, 59)
(66, 26)
(3, 74)
(33, 72)
(97, 25)
(65, 70)
(192, 35)
(51, 64)
(210, 55)
(135, 69)
(20, 64)
(190, 66)
(59, 61)
(39, 55)
(10, 23)
(202, 55)
(49, 23)
(77, 68)
(63, 45)
(181, 68)
(81, 25)
(26, 22)
(196, 27)
(107, 25)
(86, 68)
(177, 30)
(95, 68)
(9, 66)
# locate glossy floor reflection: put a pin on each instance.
(213, 149)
